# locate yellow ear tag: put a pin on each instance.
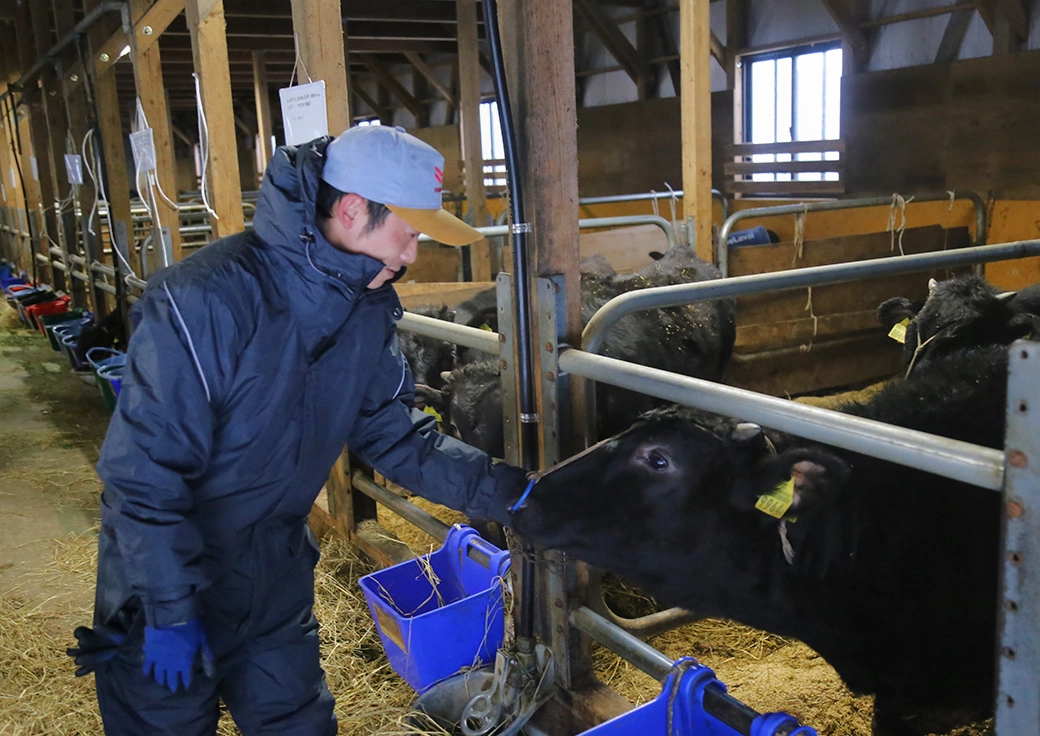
(486, 327)
(777, 501)
(433, 413)
(898, 331)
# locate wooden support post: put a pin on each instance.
(209, 49)
(148, 80)
(113, 153)
(318, 25)
(262, 93)
(83, 231)
(540, 70)
(46, 126)
(695, 50)
(736, 38)
(469, 134)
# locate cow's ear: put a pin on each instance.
(800, 480)
(893, 311)
(429, 397)
(1024, 325)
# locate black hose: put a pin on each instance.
(521, 298)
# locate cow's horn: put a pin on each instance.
(746, 431)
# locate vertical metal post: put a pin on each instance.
(507, 367)
(1018, 659)
(554, 573)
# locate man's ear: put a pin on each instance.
(348, 209)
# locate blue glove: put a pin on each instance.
(171, 651)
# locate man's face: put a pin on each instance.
(395, 243)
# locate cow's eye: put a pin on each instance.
(657, 460)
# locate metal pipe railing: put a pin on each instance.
(843, 204)
(677, 194)
(467, 337)
(980, 466)
(103, 269)
(725, 707)
(409, 511)
(588, 223)
(135, 282)
(672, 296)
(412, 513)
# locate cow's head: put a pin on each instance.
(959, 313)
(671, 486)
(469, 405)
(428, 357)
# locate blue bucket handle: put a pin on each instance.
(95, 363)
(460, 536)
(111, 372)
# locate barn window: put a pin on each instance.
(492, 149)
(793, 95)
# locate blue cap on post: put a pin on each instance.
(389, 166)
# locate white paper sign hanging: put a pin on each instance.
(142, 144)
(35, 168)
(14, 179)
(74, 168)
(304, 112)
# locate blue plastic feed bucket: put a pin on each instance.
(679, 711)
(441, 612)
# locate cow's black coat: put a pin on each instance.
(961, 313)
(894, 574)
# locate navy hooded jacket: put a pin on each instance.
(253, 363)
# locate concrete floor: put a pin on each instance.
(51, 428)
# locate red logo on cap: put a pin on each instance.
(439, 176)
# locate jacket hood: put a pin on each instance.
(285, 219)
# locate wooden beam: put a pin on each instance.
(849, 30)
(736, 38)
(695, 50)
(617, 44)
(431, 77)
(318, 25)
(718, 51)
(385, 116)
(469, 134)
(262, 95)
(539, 64)
(389, 81)
(953, 36)
(150, 26)
(668, 48)
(82, 228)
(206, 23)
(1018, 19)
(48, 138)
(148, 83)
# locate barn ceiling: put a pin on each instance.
(402, 53)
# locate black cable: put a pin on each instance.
(521, 297)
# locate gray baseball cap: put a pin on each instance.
(389, 166)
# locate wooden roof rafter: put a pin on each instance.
(630, 58)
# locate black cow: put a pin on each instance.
(693, 340)
(960, 313)
(428, 357)
(888, 572)
(109, 332)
